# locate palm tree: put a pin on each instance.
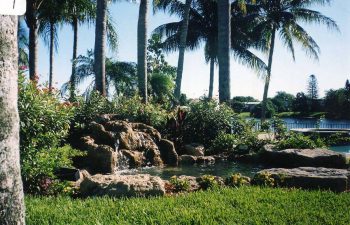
(12, 199)
(142, 49)
(283, 16)
(23, 43)
(50, 16)
(32, 20)
(121, 77)
(77, 12)
(100, 46)
(203, 27)
(182, 10)
(224, 37)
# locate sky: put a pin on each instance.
(332, 69)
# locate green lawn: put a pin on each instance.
(248, 205)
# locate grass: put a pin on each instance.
(247, 205)
(244, 115)
(300, 115)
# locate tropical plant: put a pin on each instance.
(77, 12)
(284, 16)
(203, 28)
(50, 17)
(23, 44)
(120, 77)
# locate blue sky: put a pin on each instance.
(331, 70)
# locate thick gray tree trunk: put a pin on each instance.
(182, 48)
(74, 64)
(142, 50)
(224, 37)
(11, 190)
(211, 81)
(268, 77)
(100, 46)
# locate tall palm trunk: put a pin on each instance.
(11, 188)
(142, 50)
(224, 37)
(74, 63)
(32, 22)
(268, 76)
(100, 46)
(182, 47)
(52, 40)
(211, 81)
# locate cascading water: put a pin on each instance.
(122, 160)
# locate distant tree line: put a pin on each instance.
(335, 104)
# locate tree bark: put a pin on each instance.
(211, 81)
(52, 39)
(32, 22)
(11, 189)
(74, 64)
(182, 48)
(224, 37)
(100, 46)
(268, 76)
(142, 50)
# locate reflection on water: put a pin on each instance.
(343, 149)
(222, 169)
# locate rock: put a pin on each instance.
(337, 180)
(68, 174)
(136, 159)
(290, 158)
(153, 157)
(142, 185)
(102, 159)
(140, 127)
(188, 159)
(168, 152)
(205, 159)
(194, 149)
(100, 135)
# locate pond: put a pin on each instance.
(342, 149)
(222, 169)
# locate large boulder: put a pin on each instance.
(135, 158)
(290, 158)
(168, 152)
(337, 180)
(142, 185)
(194, 149)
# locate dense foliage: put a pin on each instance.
(44, 125)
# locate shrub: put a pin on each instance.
(208, 182)
(179, 185)
(237, 180)
(337, 139)
(44, 125)
(279, 127)
(223, 143)
(295, 140)
(270, 110)
(264, 179)
(249, 143)
(206, 120)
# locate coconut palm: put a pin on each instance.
(50, 17)
(77, 12)
(31, 16)
(23, 44)
(142, 49)
(203, 28)
(121, 77)
(284, 17)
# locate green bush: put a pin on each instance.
(179, 185)
(208, 182)
(295, 140)
(337, 139)
(44, 124)
(249, 143)
(205, 121)
(264, 179)
(223, 143)
(270, 110)
(237, 180)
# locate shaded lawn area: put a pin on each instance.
(247, 205)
